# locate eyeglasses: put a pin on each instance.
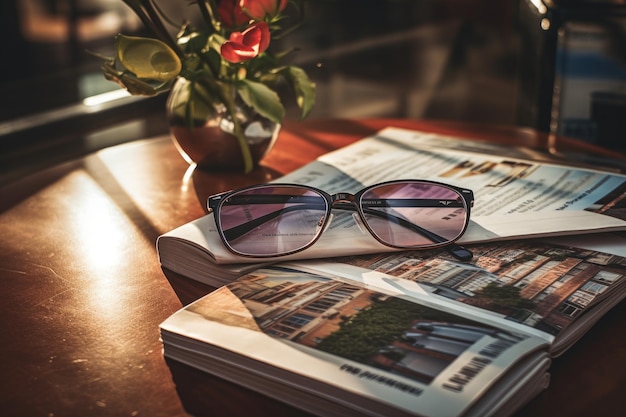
(280, 219)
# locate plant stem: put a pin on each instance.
(158, 26)
(207, 8)
(237, 130)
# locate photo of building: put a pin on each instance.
(547, 286)
(316, 311)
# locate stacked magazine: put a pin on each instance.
(515, 198)
(351, 327)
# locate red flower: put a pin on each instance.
(243, 46)
(231, 13)
(260, 9)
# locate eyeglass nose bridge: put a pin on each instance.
(342, 198)
(344, 201)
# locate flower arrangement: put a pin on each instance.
(227, 58)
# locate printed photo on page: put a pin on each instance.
(390, 348)
(535, 283)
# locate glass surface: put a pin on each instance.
(414, 214)
(272, 220)
(391, 59)
(385, 59)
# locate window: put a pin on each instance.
(569, 310)
(297, 320)
(608, 277)
(594, 287)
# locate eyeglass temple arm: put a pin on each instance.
(452, 248)
(305, 203)
(240, 230)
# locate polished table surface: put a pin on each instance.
(83, 293)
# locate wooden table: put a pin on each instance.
(83, 293)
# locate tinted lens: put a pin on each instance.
(414, 214)
(272, 220)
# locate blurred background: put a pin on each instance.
(552, 65)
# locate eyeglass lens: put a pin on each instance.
(272, 220)
(414, 214)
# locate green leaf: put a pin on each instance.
(134, 85)
(262, 99)
(137, 87)
(147, 58)
(193, 41)
(216, 41)
(303, 88)
(194, 100)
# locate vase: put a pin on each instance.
(203, 130)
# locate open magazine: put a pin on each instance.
(340, 347)
(409, 333)
(514, 198)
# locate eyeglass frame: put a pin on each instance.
(348, 201)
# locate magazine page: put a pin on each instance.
(507, 191)
(543, 287)
(353, 339)
(513, 197)
(342, 237)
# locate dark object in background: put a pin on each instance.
(608, 111)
